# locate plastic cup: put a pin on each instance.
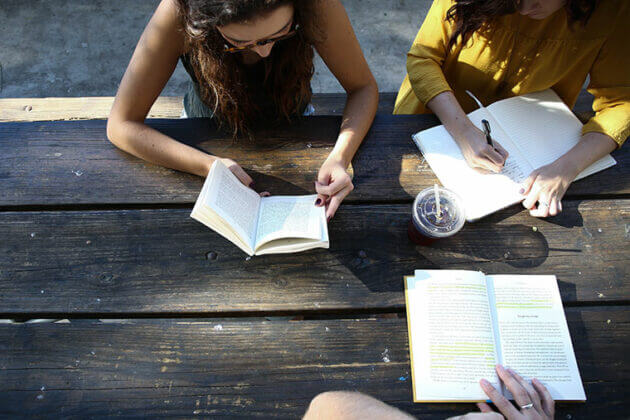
(426, 226)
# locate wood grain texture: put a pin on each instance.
(256, 368)
(155, 261)
(67, 163)
(95, 108)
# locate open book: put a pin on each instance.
(259, 225)
(535, 129)
(462, 323)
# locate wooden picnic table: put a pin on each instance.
(158, 315)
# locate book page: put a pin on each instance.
(482, 193)
(543, 127)
(451, 337)
(534, 337)
(288, 217)
(235, 203)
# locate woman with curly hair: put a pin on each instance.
(250, 61)
(502, 48)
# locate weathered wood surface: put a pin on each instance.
(257, 368)
(95, 108)
(90, 108)
(67, 163)
(161, 261)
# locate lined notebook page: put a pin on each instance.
(482, 194)
(543, 128)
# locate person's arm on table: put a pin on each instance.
(607, 130)
(342, 54)
(151, 65)
(424, 68)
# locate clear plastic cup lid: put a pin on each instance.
(426, 217)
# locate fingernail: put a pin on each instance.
(251, 184)
(521, 191)
(318, 201)
(328, 218)
(484, 382)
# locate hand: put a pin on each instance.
(333, 185)
(479, 154)
(241, 174)
(524, 393)
(547, 185)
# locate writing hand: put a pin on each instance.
(333, 185)
(478, 153)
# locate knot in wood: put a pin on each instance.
(362, 254)
(211, 256)
(107, 278)
(280, 283)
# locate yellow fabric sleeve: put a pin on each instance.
(427, 53)
(610, 84)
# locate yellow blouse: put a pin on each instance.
(518, 55)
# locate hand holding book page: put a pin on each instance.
(463, 323)
(258, 225)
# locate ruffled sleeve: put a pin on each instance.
(610, 84)
(425, 58)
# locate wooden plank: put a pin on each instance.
(253, 368)
(80, 108)
(160, 261)
(60, 163)
(96, 108)
(89, 108)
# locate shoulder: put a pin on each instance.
(166, 26)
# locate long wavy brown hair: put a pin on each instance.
(471, 15)
(223, 83)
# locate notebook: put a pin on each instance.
(462, 323)
(536, 129)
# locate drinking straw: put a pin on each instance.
(437, 201)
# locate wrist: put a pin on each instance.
(338, 158)
(463, 133)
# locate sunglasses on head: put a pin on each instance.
(262, 42)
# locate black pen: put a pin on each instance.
(486, 130)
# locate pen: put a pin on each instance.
(486, 131)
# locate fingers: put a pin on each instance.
(542, 210)
(548, 405)
(336, 200)
(265, 194)
(528, 184)
(504, 153)
(520, 394)
(504, 406)
(533, 395)
(495, 156)
(532, 197)
(553, 207)
(242, 175)
(484, 408)
(332, 188)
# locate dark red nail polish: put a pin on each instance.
(318, 201)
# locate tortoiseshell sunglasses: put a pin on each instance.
(263, 42)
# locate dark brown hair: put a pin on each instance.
(471, 15)
(223, 84)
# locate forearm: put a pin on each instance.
(591, 147)
(149, 144)
(451, 115)
(357, 119)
